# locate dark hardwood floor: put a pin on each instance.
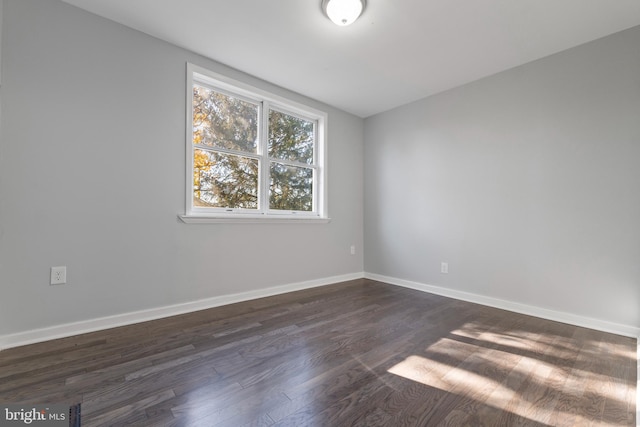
(357, 353)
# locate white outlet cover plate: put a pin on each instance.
(444, 267)
(58, 275)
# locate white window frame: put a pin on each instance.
(267, 101)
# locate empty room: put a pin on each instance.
(319, 212)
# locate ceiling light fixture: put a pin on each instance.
(343, 12)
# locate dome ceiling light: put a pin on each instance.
(343, 12)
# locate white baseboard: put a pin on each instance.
(558, 316)
(92, 325)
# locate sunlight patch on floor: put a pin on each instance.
(467, 363)
(472, 385)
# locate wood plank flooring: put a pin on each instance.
(359, 353)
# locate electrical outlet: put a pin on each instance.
(353, 249)
(444, 267)
(58, 275)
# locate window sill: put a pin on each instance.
(211, 219)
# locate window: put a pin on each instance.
(251, 154)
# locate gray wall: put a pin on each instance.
(92, 171)
(527, 183)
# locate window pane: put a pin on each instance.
(290, 137)
(223, 121)
(224, 181)
(291, 188)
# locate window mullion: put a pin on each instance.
(263, 198)
(317, 172)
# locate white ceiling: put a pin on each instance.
(397, 52)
